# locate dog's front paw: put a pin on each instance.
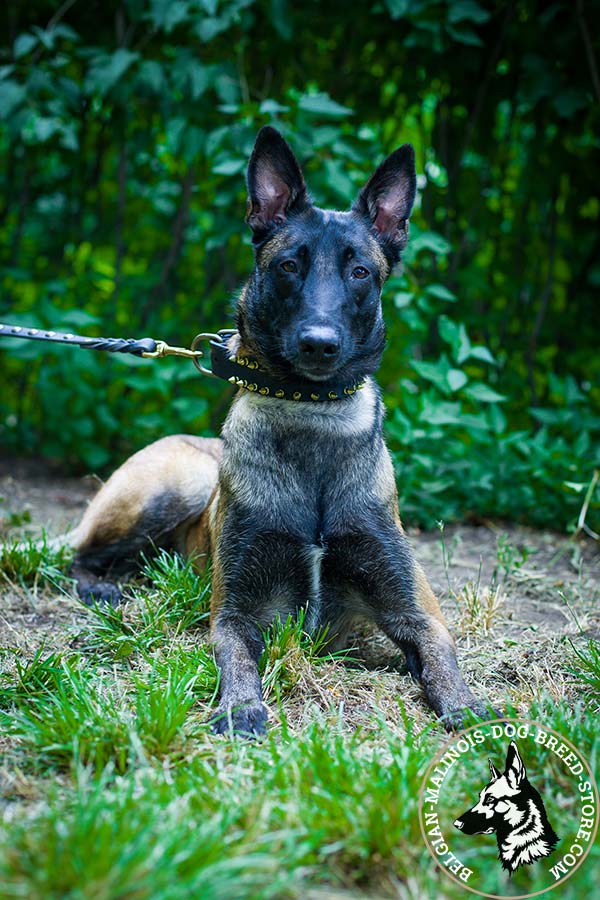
(104, 593)
(247, 720)
(457, 717)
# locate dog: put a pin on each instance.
(510, 807)
(297, 502)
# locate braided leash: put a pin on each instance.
(146, 347)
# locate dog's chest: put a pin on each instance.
(302, 466)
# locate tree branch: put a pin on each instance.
(482, 90)
(176, 242)
(589, 50)
(546, 294)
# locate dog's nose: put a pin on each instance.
(457, 823)
(319, 344)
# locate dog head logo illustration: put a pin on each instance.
(512, 808)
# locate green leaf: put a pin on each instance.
(151, 73)
(23, 45)
(229, 167)
(440, 412)
(441, 292)
(11, 96)
(322, 105)
(456, 379)
(496, 418)
(107, 70)
(200, 77)
(465, 36)
(435, 372)
(463, 348)
(467, 10)
(403, 298)
(569, 101)
(40, 129)
(482, 353)
(397, 8)
(272, 108)
(211, 27)
(481, 393)
(167, 14)
(429, 240)
(455, 335)
(338, 179)
(577, 486)
(448, 330)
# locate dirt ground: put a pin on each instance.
(517, 600)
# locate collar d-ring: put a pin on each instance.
(204, 336)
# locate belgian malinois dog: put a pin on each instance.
(510, 807)
(297, 503)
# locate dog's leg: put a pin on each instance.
(431, 657)
(238, 646)
(397, 596)
(258, 575)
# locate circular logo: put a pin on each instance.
(509, 808)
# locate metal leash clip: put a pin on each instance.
(164, 349)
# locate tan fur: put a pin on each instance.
(425, 596)
(267, 253)
(196, 538)
(181, 464)
(216, 515)
(382, 263)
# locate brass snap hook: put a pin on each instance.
(163, 349)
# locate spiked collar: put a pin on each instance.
(245, 372)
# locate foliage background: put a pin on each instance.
(125, 130)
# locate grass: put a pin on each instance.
(113, 788)
(35, 562)
(587, 670)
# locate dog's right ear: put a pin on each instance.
(495, 773)
(275, 183)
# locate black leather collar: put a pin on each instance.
(245, 372)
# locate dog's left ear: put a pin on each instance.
(515, 769)
(388, 196)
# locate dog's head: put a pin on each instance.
(313, 305)
(501, 800)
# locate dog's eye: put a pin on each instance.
(360, 272)
(288, 265)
